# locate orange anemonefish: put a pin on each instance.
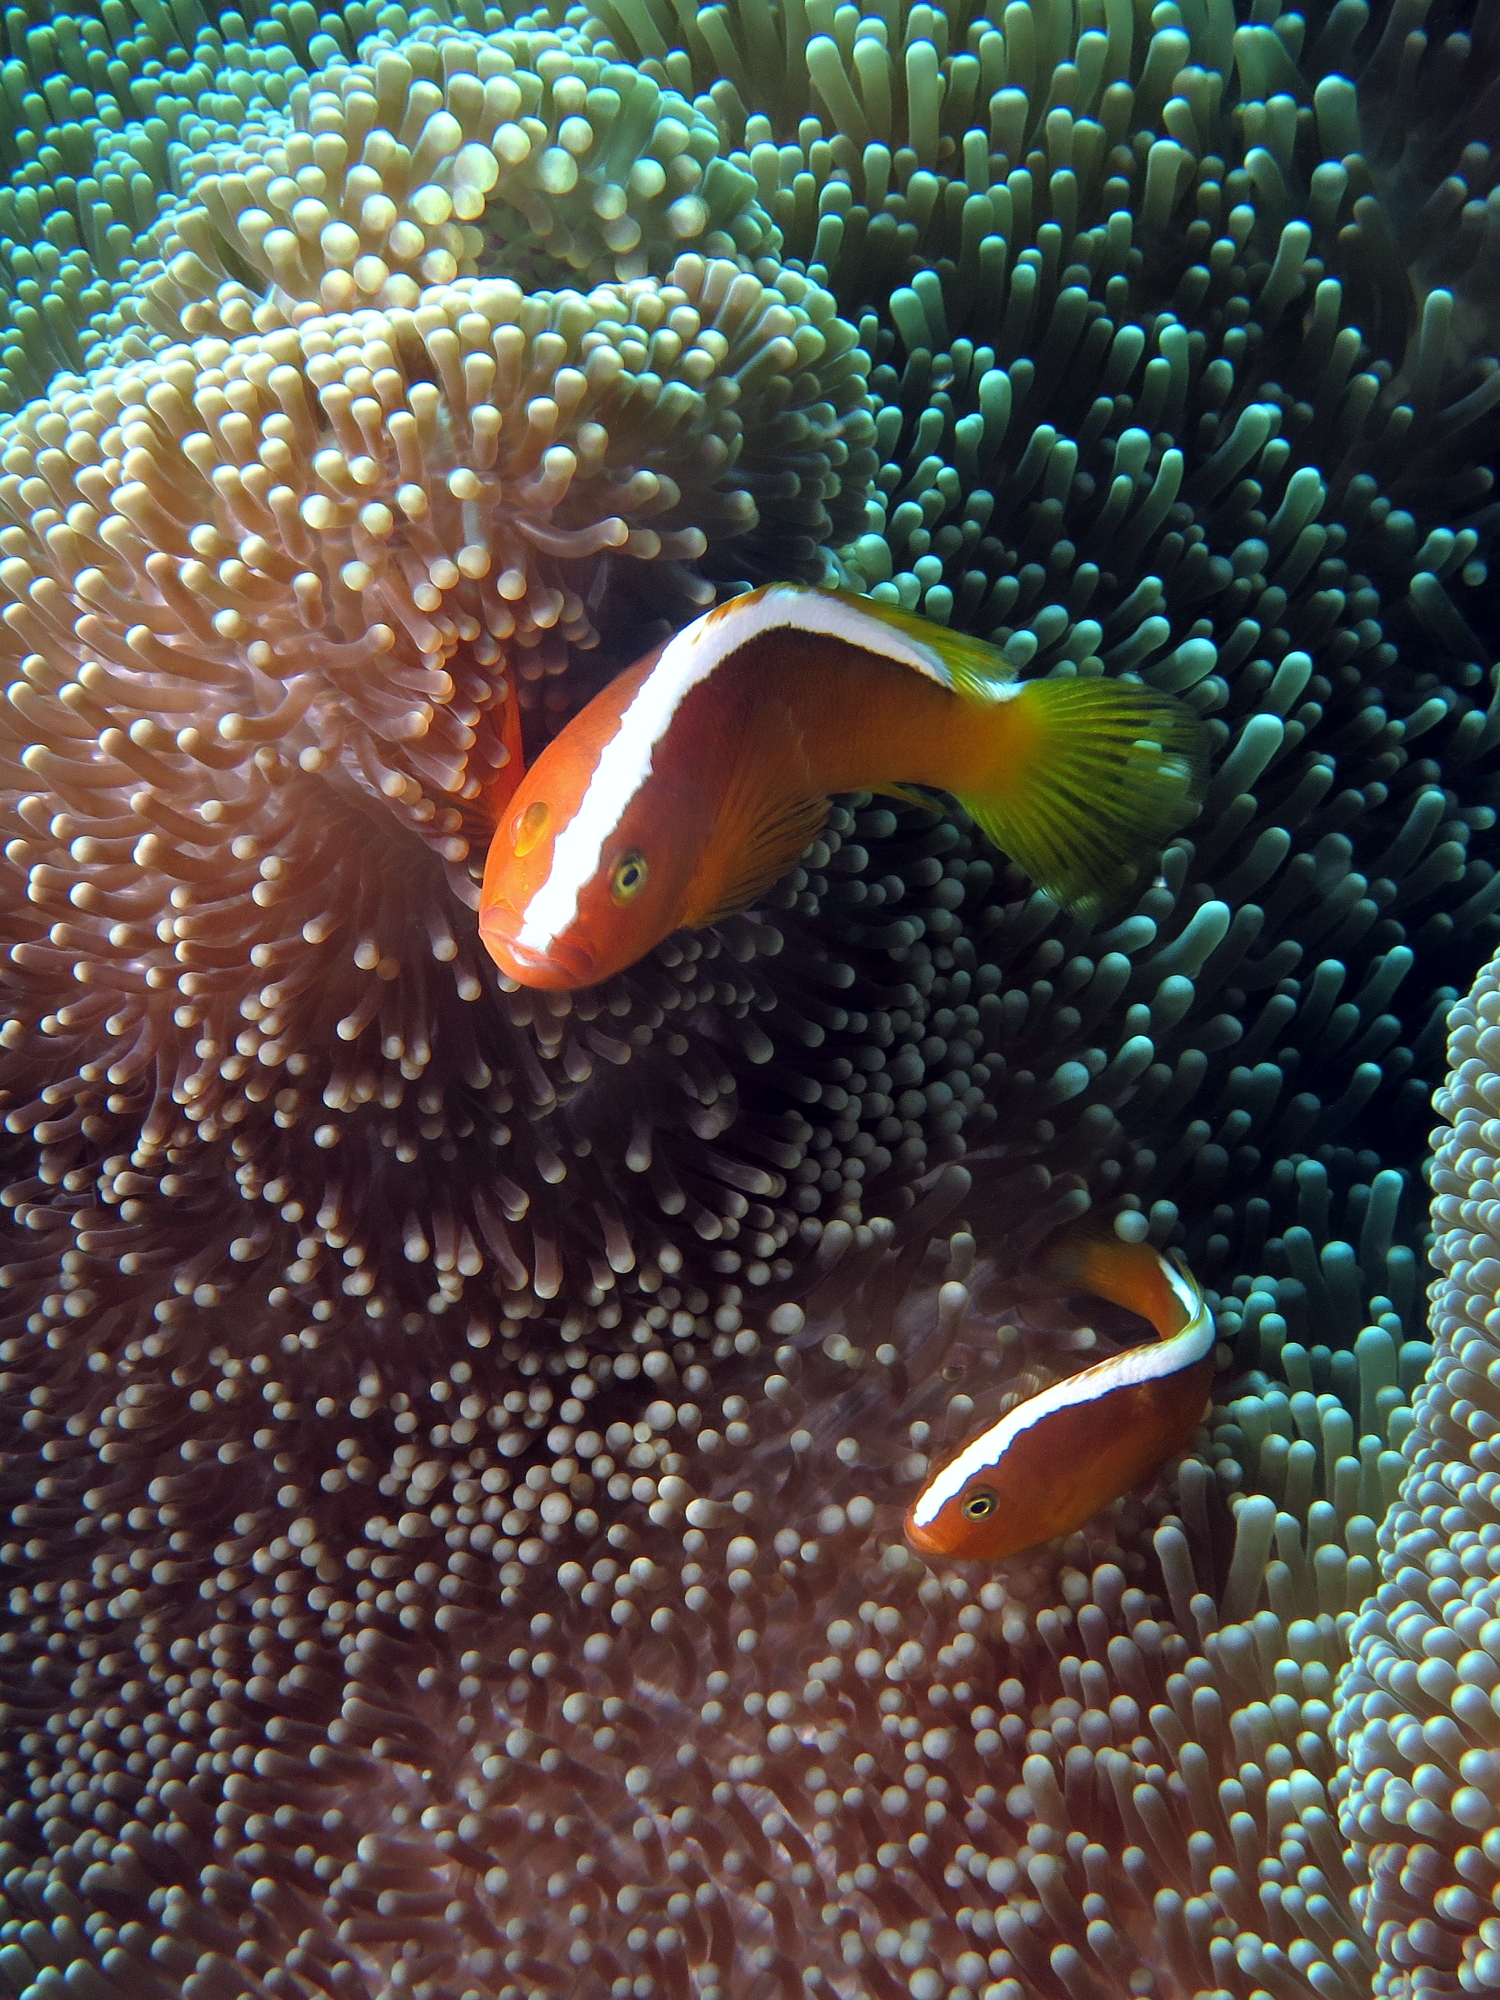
(695, 779)
(1052, 1461)
(497, 791)
(505, 785)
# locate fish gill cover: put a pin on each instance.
(456, 1438)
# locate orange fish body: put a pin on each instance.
(692, 782)
(1051, 1462)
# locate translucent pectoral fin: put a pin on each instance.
(753, 852)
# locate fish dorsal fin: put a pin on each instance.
(1136, 1275)
(760, 838)
(967, 665)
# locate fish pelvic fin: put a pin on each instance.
(1089, 778)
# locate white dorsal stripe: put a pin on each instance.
(1151, 1363)
(686, 661)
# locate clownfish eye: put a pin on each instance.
(530, 827)
(629, 877)
(979, 1504)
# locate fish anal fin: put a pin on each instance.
(907, 795)
(762, 852)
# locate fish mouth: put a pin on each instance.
(564, 965)
(923, 1540)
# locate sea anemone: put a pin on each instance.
(459, 1441)
(447, 158)
(1415, 1722)
(273, 596)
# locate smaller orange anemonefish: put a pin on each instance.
(1052, 1461)
(504, 782)
(695, 779)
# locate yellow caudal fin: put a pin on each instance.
(1089, 778)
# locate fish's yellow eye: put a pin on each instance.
(979, 1504)
(629, 877)
(531, 826)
